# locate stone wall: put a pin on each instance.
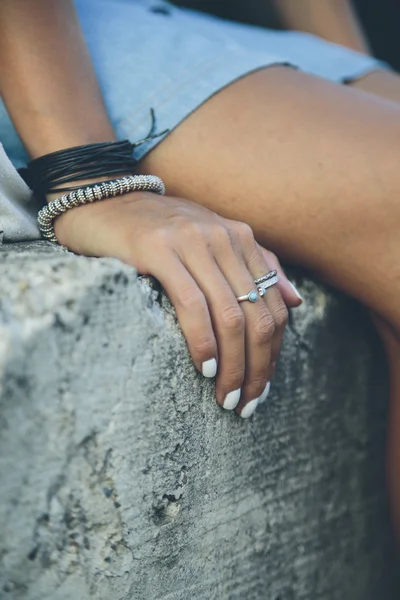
(121, 479)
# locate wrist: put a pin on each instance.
(83, 175)
(81, 183)
(80, 225)
(90, 195)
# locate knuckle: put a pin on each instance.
(161, 236)
(203, 348)
(232, 319)
(186, 228)
(264, 328)
(194, 232)
(244, 231)
(220, 235)
(281, 315)
(191, 298)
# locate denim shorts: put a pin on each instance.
(152, 54)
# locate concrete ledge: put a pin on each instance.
(121, 479)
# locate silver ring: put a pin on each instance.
(266, 277)
(267, 284)
(252, 296)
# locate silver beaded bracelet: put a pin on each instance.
(93, 193)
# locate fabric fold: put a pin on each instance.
(18, 209)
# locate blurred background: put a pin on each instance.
(381, 19)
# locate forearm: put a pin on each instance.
(333, 20)
(46, 77)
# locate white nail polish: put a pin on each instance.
(249, 409)
(209, 368)
(296, 291)
(265, 393)
(232, 400)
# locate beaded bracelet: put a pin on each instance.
(93, 193)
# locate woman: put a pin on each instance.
(265, 143)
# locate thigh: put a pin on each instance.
(311, 166)
(385, 84)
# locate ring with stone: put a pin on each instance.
(252, 296)
(266, 277)
(267, 284)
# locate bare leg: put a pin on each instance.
(313, 168)
(385, 84)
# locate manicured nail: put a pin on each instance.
(209, 368)
(265, 393)
(249, 409)
(232, 400)
(296, 291)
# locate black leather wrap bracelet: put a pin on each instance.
(50, 173)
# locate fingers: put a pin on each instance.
(273, 299)
(228, 321)
(192, 312)
(240, 343)
(290, 294)
(258, 321)
(203, 262)
(248, 335)
(211, 320)
(277, 316)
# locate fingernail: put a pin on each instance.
(249, 409)
(296, 291)
(232, 400)
(265, 393)
(209, 368)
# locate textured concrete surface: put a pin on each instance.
(121, 479)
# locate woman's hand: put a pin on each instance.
(204, 262)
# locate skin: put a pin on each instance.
(332, 20)
(336, 206)
(205, 251)
(323, 192)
